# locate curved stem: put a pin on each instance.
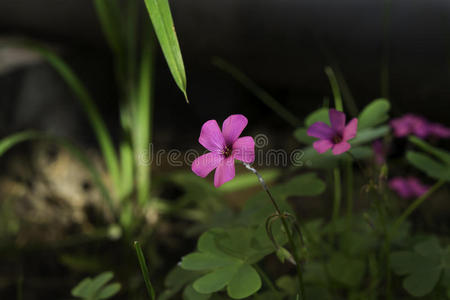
(286, 228)
(416, 204)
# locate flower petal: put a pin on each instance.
(416, 187)
(337, 120)
(400, 185)
(211, 137)
(320, 130)
(232, 128)
(204, 164)
(341, 148)
(322, 145)
(224, 172)
(350, 130)
(244, 149)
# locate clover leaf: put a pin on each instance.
(422, 267)
(96, 288)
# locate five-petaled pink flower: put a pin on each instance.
(409, 187)
(336, 136)
(225, 146)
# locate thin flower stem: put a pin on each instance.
(337, 194)
(335, 88)
(265, 278)
(286, 228)
(416, 204)
(349, 180)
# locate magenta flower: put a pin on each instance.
(410, 187)
(336, 136)
(225, 146)
(410, 124)
(379, 152)
(418, 126)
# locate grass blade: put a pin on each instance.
(101, 132)
(143, 116)
(161, 17)
(144, 269)
(109, 17)
(265, 97)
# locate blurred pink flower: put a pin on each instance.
(418, 126)
(379, 152)
(336, 136)
(409, 187)
(225, 146)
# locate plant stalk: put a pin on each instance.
(286, 228)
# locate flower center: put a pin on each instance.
(227, 151)
(337, 139)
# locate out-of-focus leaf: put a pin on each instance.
(428, 165)
(247, 180)
(109, 291)
(302, 136)
(369, 134)
(320, 115)
(439, 153)
(97, 288)
(190, 293)
(346, 270)
(161, 17)
(374, 114)
(422, 267)
(246, 282)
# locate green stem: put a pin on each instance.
(335, 88)
(337, 194)
(349, 179)
(265, 278)
(144, 269)
(286, 228)
(410, 209)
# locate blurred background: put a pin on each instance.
(399, 50)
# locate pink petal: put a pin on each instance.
(321, 130)
(244, 149)
(400, 185)
(232, 128)
(400, 126)
(337, 120)
(439, 130)
(350, 130)
(224, 172)
(416, 187)
(204, 164)
(341, 148)
(322, 145)
(211, 137)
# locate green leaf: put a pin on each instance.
(287, 284)
(245, 283)
(98, 282)
(190, 293)
(428, 165)
(346, 270)
(81, 289)
(109, 291)
(175, 280)
(217, 279)
(204, 261)
(247, 180)
(369, 134)
(374, 114)
(161, 17)
(320, 115)
(302, 136)
(422, 267)
(439, 153)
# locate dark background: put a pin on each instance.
(282, 45)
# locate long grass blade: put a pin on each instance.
(97, 123)
(144, 269)
(261, 94)
(161, 17)
(143, 119)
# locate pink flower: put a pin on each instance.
(225, 146)
(410, 187)
(410, 124)
(439, 130)
(419, 126)
(336, 136)
(379, 151)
